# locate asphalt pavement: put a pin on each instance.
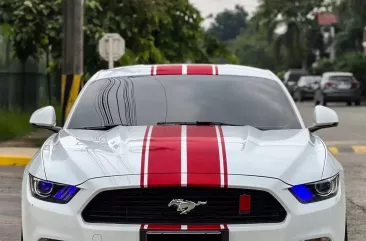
(350, 133)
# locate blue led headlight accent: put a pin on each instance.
(316, 191)
(66, 193)
(45, 187)
(52, 192)
(302, 193)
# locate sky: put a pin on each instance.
(215, 6)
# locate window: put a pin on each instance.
(147, 100)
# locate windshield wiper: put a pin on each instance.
(198, 123)
(106, 127)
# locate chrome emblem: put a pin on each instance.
(184, 206)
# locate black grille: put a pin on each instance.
(150, 206)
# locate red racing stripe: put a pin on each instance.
(163, 227)
(173, 69)
(204, 227)
(216, 70)
(164, 166)
(142, 175)
(203, 161)
(223, 148)
(199, 69)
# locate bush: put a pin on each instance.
(14, 124)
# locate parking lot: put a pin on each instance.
(351, 132)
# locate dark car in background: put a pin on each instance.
(305, 87)
(291, 78)
(338, 87)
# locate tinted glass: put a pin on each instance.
(308, 80)
(341, 78)
(148, 100)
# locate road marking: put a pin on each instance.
(359, 149)
(333, 150)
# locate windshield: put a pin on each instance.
(308, 80)
(148, 100)
(341, 78)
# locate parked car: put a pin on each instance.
(291, 78)
(338, 87)
(305, 88)
(184, 152)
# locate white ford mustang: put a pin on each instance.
(184, 152)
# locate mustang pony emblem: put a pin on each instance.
(185, 206)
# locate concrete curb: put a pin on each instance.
(14, 160)
(9, 160)
(347, 149)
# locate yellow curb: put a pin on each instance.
(359, 149)
(14, 160)
(334, 150)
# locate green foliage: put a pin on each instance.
(303, 35)
(14, 124)
(159, 31)
(252, 48)
(34, 25)
(228, 24)
(352, 21)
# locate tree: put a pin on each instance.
(170, 31)
(228, 24)
(352, 21)
(252, 48)
(302, 34)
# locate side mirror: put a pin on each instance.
(45, 118)
(324, 117)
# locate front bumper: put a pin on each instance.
(64, 222)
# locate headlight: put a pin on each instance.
(316, 191)
(50, 191)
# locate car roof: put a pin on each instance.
(310, 76)
(337, 74)
(297, 70)
(186, 69)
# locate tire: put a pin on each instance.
(316, 98)
(21, 237)
(357, 102)
(346, 233)
(297, 97)
(349, 103)
(323, 102)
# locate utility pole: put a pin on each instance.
(364, 40)
(72, 54)
(332, 47)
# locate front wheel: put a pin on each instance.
(358, 102)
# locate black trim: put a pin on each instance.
(55, 129)
(319, 127)
(224, 233)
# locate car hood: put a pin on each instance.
(75, 156)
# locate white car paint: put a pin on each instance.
(272, 161)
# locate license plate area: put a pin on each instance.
(184, 235)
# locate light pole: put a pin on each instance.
(364, 40)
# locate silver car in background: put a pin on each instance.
(305, 87)
(338, 87)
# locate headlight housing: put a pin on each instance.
(316, 191)
(51, 191)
